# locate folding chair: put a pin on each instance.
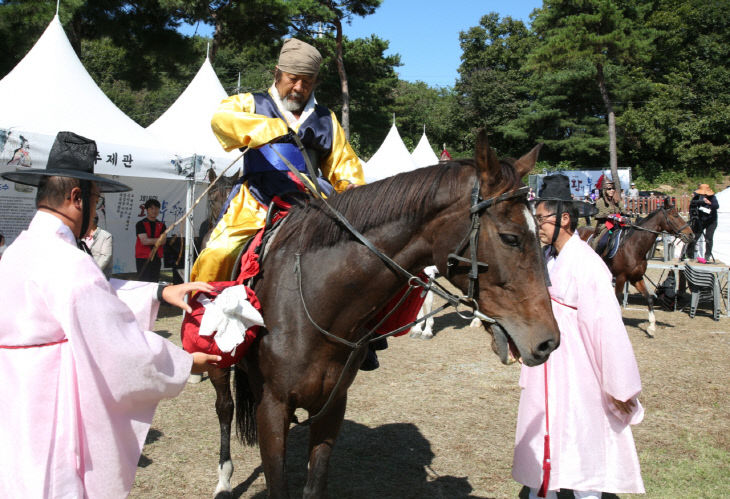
(703, 285)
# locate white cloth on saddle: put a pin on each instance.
(230, 314)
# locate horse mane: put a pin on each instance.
(407, 196)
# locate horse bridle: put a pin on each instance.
(669, 223)
(477, 209)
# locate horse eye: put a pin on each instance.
(510, 239)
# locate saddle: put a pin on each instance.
(608, 241)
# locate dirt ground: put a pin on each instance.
(437, 420)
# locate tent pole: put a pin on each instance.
(190, 195)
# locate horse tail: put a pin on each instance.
(245, 408)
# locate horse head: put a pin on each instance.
(511, 280)
(674, 223)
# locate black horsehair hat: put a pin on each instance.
(555, 188)
(71, 156)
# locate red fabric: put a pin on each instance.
(191, 340)
(407, 312)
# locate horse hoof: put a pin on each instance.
(651, 330)
(475, 322)
(426, 335)
(195, 378)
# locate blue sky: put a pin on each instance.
(426, 33)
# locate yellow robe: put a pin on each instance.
(236, 124)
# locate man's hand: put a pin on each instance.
(625, 407)
(174, 295)
(202, 362)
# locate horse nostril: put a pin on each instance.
(546, 347)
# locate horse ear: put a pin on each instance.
(527, 162)
(486, 159)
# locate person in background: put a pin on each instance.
(703, 218)
(150, 231)
(609, 208)
(633, 198)
(575, 410)
(82, 370)
(99, 243)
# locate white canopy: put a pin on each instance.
(185, 126)
(390, 159)
(423, 154)
(50, 90)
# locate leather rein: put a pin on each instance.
(470, 240)
(677, 232)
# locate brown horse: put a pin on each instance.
(217, 197)
(317, 276)
(629, 263)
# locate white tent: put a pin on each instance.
(423, 154)
(390, 159)
(185, 126)
(49, 91)
(721, 239)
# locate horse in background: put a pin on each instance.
(630, 261)
(217, 198)
(317, 277)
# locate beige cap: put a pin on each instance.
(299, 58)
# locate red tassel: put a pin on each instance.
(546, 450)
(545, 469)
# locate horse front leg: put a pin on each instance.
(221, 379)
(322, 436)
(650, 300)
(272, 420)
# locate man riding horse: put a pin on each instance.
(263, 122)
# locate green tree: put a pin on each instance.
(492, 88)
(595, 34)
(372, 77)
(315, 16)
(417, 105)
(684, 123)
(254, 27)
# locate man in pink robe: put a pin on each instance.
(81, 371)
(592, 378)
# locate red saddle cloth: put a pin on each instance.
(406, 313)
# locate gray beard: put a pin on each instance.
(292, 106)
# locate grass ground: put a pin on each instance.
(437, 420)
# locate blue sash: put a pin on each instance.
(264, 159)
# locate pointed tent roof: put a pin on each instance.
(390, 159)
(185, 126)
(49, 90)
(423, 154)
